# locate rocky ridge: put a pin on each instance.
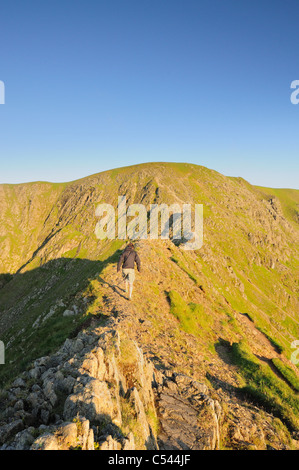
(163, 365)
(100, 392)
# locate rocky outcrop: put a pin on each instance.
(69, 435)
(189, 417)
(95, 392)
(100, 392)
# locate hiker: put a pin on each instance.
(127, 261)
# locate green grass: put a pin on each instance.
(192, 317)
(183, 266)
(287, 373)
(263, 386)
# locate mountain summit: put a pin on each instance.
(204, 357)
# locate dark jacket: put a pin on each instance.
(128, 258)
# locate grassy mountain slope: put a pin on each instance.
(227, 313)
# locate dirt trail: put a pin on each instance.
(155, 331)
(157, 334)
(260, 344)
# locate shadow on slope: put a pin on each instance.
(40, 308)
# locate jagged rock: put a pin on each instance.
(92, 392)
(19, 383)
(78, 345)
(35, 399)
(110, 444)
(19, 405)
(49, 392)
(68, 313)
(35, 373)
(46, 442)
(45, 416)
(87, 435)
(101, 363)
(67, 436)
(64, 384)
(80, 392)
(129, 442)
(24, 439)
(94, 402)
(146, 433)
(90, 366)
(189, 417)
(9, 430)
(95, 397)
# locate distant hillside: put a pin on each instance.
(225, 315)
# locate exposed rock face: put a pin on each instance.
(68, 435)
(189, 416)
(99, 392)
(82, 398)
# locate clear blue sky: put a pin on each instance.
(98, 84)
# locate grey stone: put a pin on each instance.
(9, 430)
